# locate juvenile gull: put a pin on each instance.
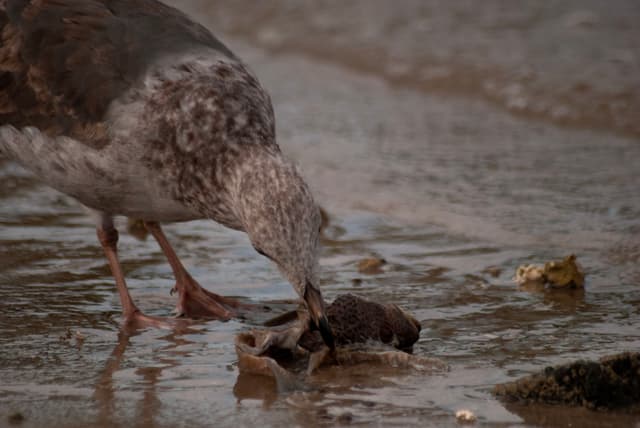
(135, 110)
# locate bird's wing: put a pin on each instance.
(62, 62)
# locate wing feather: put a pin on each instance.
(62, 62)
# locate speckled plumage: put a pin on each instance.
(134, 110)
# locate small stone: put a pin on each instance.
(345, 418)
(371, 265)
(566, 273)
(67, 335)
(494, 271)
(465, 416)
(15, 418)
(530, 276)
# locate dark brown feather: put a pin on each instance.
(62, 62)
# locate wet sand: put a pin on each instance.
(452, 190)
(572, 62)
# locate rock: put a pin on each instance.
(566, 273)
(611, 383)
(493, 271)
(371, 265)
(15, 418)
(530, 275)
(465, 416)
(345, 418)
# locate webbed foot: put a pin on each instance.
(137, 320)
(194, 301)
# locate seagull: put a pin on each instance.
(133, 109)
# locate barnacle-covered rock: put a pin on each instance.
(613, 382)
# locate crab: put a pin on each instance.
(610, 383)
(358, 325)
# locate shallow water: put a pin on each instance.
(573, 62)
(443, 187)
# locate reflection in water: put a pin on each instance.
(149, 405)
(105, 391)
(253, 387)
(546, 415)
(563, 299)
(571, 62)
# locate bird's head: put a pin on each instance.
(283, 222)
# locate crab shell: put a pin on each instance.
(354, 320)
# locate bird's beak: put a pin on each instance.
(315, 305)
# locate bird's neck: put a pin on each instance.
(238, 186)
(258, 175)
(278, 212)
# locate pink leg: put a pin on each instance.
(194, 301)
(133, 317)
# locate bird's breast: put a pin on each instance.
(187, 124)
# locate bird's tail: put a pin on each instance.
(62, 161)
